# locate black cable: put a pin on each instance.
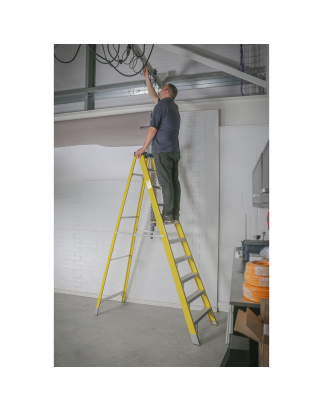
(66, 62)
(143, 66)
(132, 63)
(94, 54)
(113, 58)
(104, 52)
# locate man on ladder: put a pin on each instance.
(164, 130)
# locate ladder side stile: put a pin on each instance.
(153, 163)
(115, 235)
(142, 190)
(169, 254)
(194, 269)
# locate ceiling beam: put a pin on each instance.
(212, 63)
(135, 88)
(90, 70)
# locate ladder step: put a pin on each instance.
(155, 222)
(111, 296)
(137, 235)
(194, 296)
(133, 216)
(135, 174)
(157, 187)
(152, 169)
(188, 277)
(160, 205)
(198, 317)
(181, 259)
(117, 258)
(176, 240)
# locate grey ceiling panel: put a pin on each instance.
(165, 61)
(72, 75)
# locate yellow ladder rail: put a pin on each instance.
(142, 190)
(115, 235)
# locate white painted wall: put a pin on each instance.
(92, 163)
(86, 214)
(240, 147)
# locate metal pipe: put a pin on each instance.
(138, 52)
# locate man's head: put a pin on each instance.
(169, 90)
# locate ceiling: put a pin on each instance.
(72, 76)
(97, 148)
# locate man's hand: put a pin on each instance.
(146, 73)
(151, 91)
(139, 152)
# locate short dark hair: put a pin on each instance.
(172, 91)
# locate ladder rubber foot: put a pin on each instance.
(96, 311)
(214, 323)
(195, 339)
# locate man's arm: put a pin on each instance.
(151, 90)
(150, 135)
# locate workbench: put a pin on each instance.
(238, 302)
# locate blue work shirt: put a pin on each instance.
(166, 120)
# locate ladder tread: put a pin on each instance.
(194, 296)
(183, 258)
(176, 240)
(117, 258)
(111, 296)
(201, 314)
(188, 277)
(155, 222)
(157, 187)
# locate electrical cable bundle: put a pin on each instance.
(256, 285)
(129, 57)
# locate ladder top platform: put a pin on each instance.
(145, 154)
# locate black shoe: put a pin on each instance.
(175, 219)
(167, 219)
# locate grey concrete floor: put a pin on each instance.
(131, 335)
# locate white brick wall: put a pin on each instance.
(240, 147)
(85, 218)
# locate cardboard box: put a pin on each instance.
(249, 324)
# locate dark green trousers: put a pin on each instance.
(167, 173)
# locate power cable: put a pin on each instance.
(132, 63)
(66, 62)
(125, 58)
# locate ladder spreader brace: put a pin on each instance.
(191, 321)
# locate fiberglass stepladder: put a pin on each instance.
(191, 321)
